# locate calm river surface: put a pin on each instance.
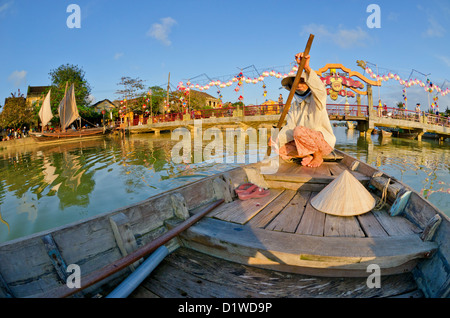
(48, 186)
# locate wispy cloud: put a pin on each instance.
(18, 78)
(118, 55)
(444, 59)
(5, 6)
(345, 38)
(434, 30)
(161, 31)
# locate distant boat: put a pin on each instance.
(429, 135)
(408, 134)
(68, 113)
(350, 125)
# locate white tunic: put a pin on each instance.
(310, 113)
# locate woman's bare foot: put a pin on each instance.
(306, 160)
(316, 161)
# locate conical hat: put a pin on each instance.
(344, 196)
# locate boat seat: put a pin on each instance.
(325, 173)
(306, 254)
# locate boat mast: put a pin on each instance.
(63, 129)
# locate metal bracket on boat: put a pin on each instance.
(431, 227)
(354, 166)
(400, 202)
(55, 256)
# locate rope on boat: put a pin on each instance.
(383, 199)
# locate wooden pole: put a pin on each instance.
(168, 87)
(294, 86)
(296, 81)
(131, 258)
(64, 110)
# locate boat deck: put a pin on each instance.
(284, 232)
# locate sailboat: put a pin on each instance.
(68, 113)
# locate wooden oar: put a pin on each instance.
(294, 85)
(122, 263)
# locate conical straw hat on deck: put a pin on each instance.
(344, 196)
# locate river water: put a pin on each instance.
(42, 187)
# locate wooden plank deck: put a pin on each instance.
(290, 211)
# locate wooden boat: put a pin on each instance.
(350, 125)
(68, 113)
(69, 134)
(405, 134)
(385, 133)
(273, 246)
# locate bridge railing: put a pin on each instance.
(437, 120)
(412, 115)
(397, 113)
(340, 110)
(347, 110)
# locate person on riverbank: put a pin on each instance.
(308, 133)
(280, 103)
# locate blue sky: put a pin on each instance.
(149, 39)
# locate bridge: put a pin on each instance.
(367, 119)
(339, 84)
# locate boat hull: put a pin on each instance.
(406, 135)
(278, 233)
(70, 134)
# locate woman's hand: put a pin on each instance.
(299, 58)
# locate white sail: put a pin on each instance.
(67, 109)
(45, 113)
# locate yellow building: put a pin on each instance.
(35, 94)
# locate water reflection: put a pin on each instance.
(45, 187)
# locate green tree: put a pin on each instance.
(16, 112)
(158, 95)
(70, 74)
(131, 93)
